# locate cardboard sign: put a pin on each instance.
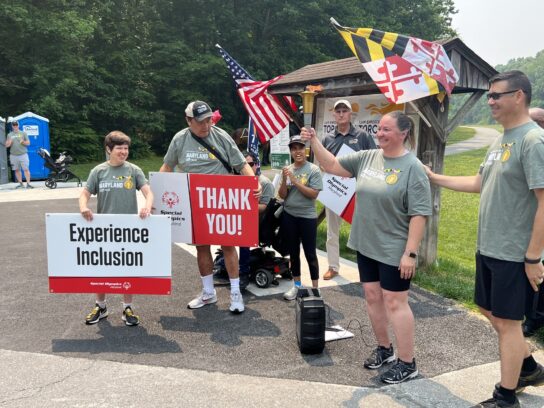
(171, 197)
(112, 254)
(225, 211)
(279, 149)
(337, 191)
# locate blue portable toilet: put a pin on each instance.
(4, 172)
(37, 129)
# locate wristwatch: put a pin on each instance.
(411, 254)
(532, 261)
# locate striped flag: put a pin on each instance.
(268, 116)
(404, 68)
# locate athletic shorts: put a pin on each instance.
(371, 270)
(20, 161)
(502, 287)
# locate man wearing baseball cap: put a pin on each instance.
(190, 156)
(355, 138)
(18, 141)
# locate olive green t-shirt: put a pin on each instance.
(17, 149)
(513, 166)
(296, 203)
(116, 187)
(191, 157)
(389, 192)
(268, 189)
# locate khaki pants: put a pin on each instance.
(333, 239)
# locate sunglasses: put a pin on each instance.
(251, 163)
(497, 95)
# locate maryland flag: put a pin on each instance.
(403, 68)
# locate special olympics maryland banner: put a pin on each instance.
(367, 112)
(111, 254)
(171, 197)
(224, 209)
(337, 191)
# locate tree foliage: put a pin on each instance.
(92, 66)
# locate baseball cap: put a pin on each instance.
(344, 102)
(296, 139)
(198, 110)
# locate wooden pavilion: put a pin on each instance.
(348, 77)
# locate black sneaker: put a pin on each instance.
(379, 357)
(221, 277)
(96, 314)
(130, 318)
(498, 401)
(20, 185)
(29, 186)
(400, 372)
(533, 379)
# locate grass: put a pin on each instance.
(460, 134)
(151, 163)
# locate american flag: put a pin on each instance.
(264, 109)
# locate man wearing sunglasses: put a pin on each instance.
(18, 155)
(510, 230)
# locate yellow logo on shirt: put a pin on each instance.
(506, 151)
(128, 184)
(391, 179)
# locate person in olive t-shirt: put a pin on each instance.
(18, 143)
(300, 186)
(510, 230)
(393, 201)
(190, 156)
(115, 183)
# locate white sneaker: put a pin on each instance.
(291, 294)
(236, 302)
(202, 300)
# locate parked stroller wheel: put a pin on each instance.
(51, 184)
(263, 278)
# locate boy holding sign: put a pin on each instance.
(115, 183)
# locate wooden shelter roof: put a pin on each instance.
(347, 76)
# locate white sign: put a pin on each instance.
(337, 191)
(31, 130)
(111, 245)
(279, 149)
(367, 112)
(171, 197)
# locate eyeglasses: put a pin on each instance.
(251, 163)
(15, 124)
(497, 95)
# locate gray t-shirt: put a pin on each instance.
(296, 203)
(116, 187)
(17, 148)
(268, 189)
(514, 165)
(389, 192)
(355, 138)
(191, 157)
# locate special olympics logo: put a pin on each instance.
(170, 199)
(126, 285)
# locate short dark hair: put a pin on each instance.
(404, 123)
(246, 153)
(516, 80)
(116, 138)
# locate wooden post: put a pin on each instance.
(431, 148)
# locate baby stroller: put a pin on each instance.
(264, 265)
(59, 168)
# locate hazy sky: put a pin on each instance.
(499, 30)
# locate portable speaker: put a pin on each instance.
(310, 320)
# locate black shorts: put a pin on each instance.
(371, 270)
(502, 287)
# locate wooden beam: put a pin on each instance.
(461, 113)
(431, 117)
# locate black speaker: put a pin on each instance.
(310, 320)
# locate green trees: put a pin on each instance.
(97, 65)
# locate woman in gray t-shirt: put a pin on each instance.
(393, 202)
